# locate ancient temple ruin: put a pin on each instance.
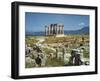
(54, 29)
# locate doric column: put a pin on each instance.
(48, 30)
(63, 29)
(56, 29)
(46, 33)
(52, 29)
(59, 29)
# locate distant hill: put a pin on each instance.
(84, 30)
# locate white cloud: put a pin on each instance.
(81, 24)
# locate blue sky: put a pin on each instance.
(37, 21)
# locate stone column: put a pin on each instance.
(46, 33)
(62, 29)
(51, 29)
(56, 30)
(48, 30)
(59, 29)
